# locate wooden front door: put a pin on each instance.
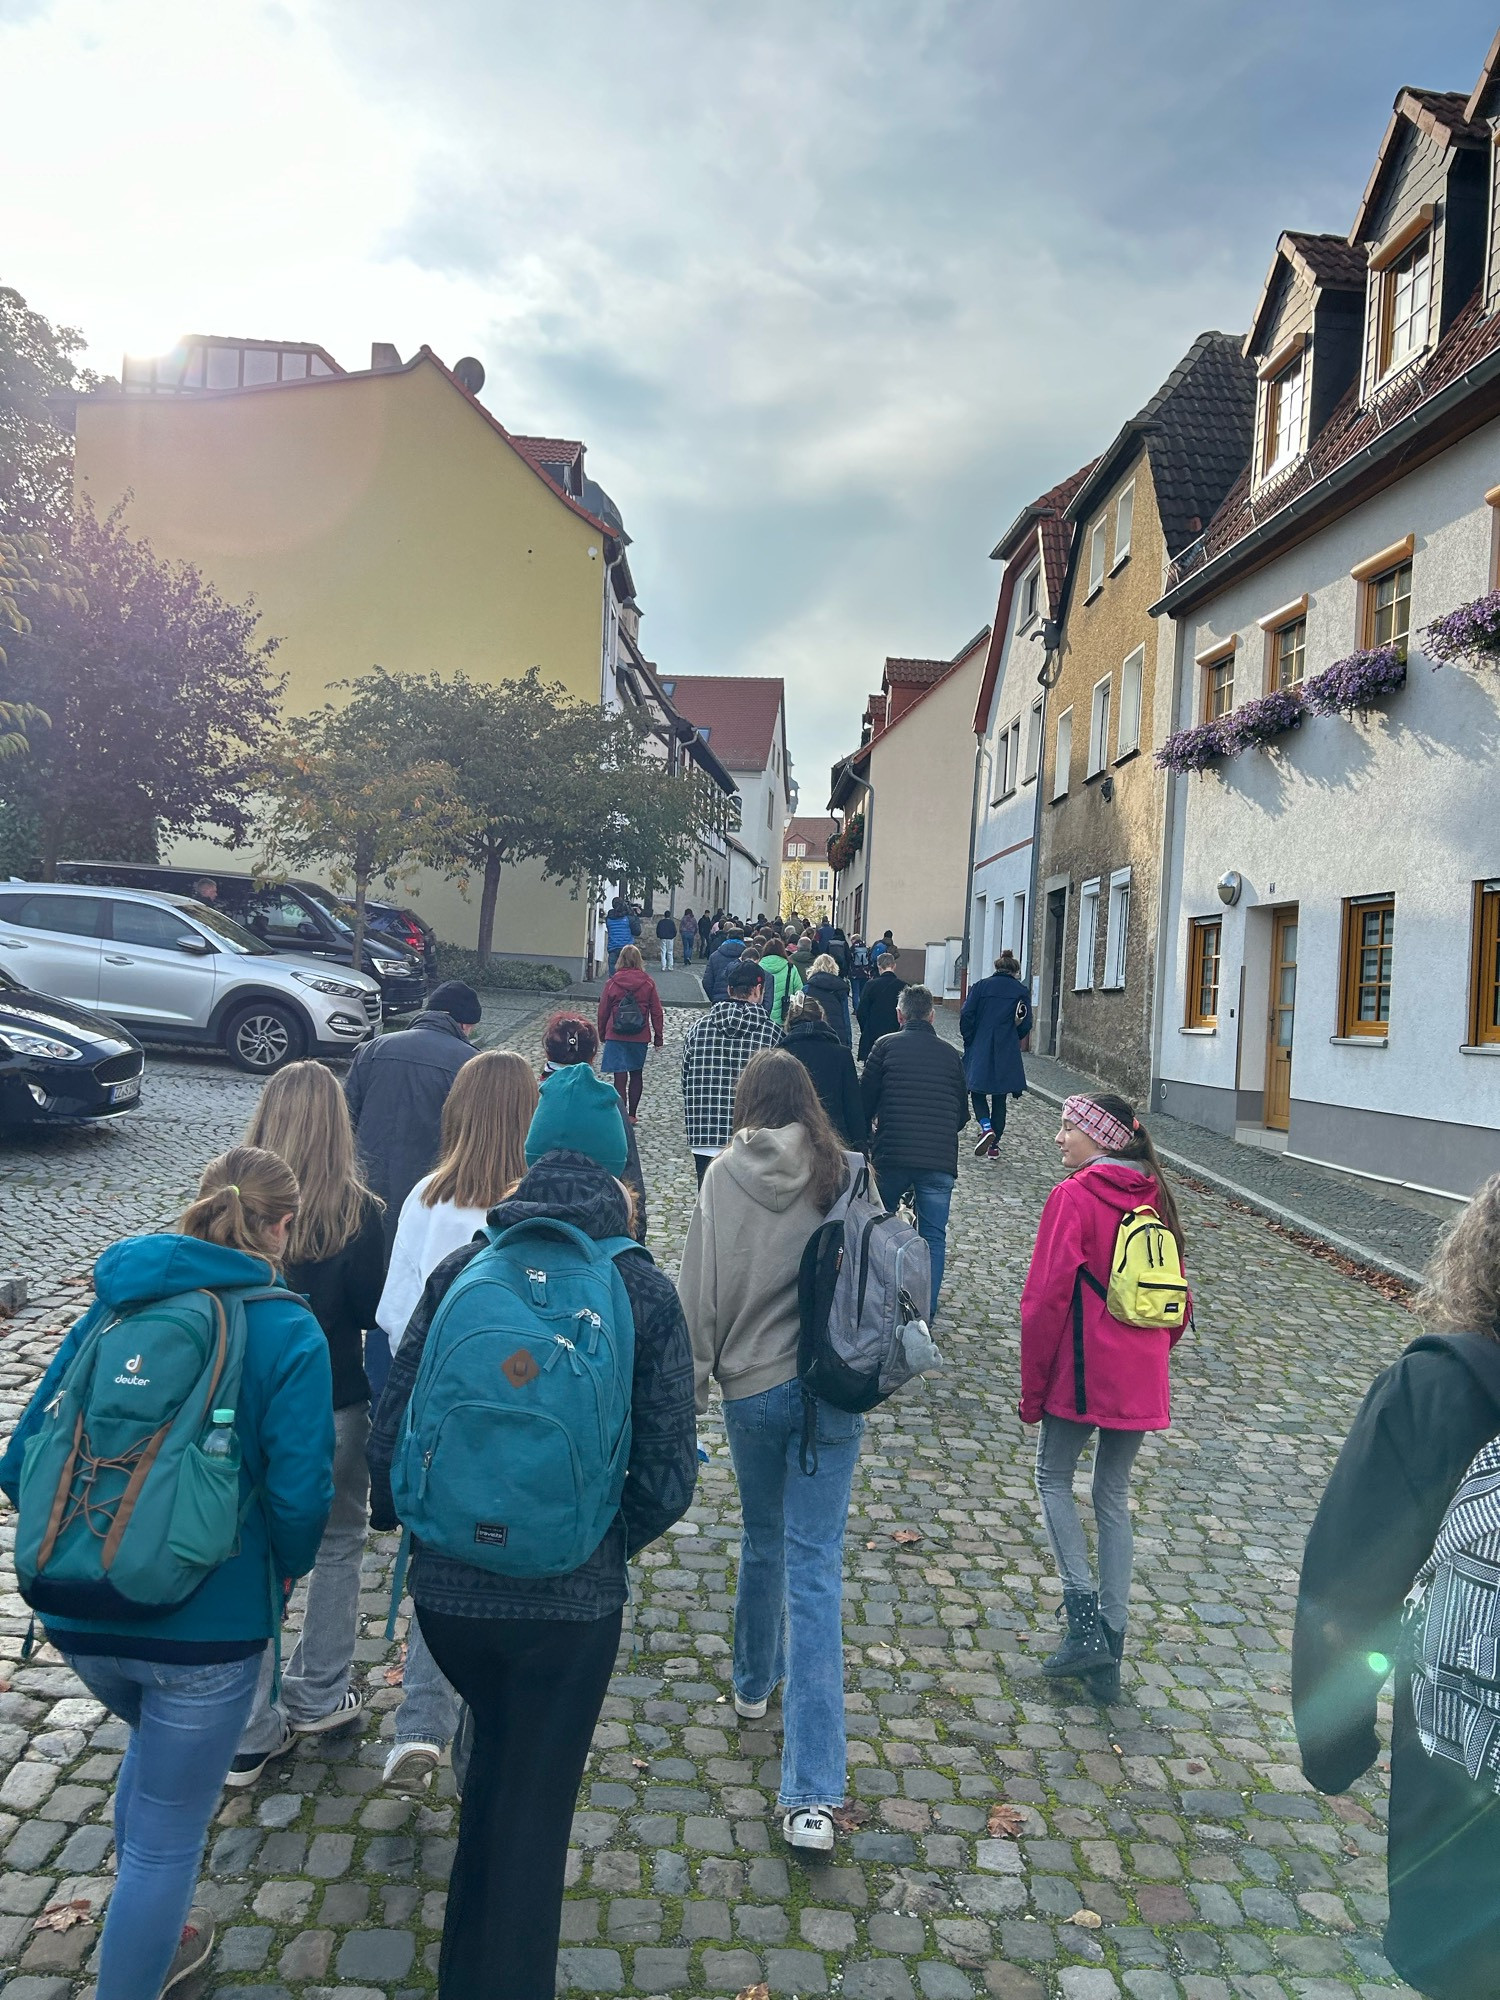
(1282, 1020)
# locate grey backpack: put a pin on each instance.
(863, 1291)
(1455, 1618)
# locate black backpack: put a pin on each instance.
(629, 1017)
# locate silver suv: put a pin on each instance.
(176, 971)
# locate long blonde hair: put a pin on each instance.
(1461, 1290)
(303, 1117)
(485, 1119)
(242, 1195)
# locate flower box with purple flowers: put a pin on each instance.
(1357, 682)
(1256, 723)
(1467, 636)
(1194, 749)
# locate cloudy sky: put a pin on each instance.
(830, 290)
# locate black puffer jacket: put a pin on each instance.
(827, 1060)
(396, 1089)
(663, 1466)
(343, 1291)
(877, 1010)
(1414, 1438)
(916, 1100)
(832, 995)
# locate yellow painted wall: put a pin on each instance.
(374, 519)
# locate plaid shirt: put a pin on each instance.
(718, 1046)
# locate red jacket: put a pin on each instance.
(643, 987)
(1125, 1385)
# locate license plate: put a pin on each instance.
(122, 1093)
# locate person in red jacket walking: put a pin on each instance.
(1084, 1371)
(629, 1016)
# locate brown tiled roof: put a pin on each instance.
(915, 673)
(548, 451)
(1044, 521)
(1444, 113)
(738, 711)
(816, 832)
(1332, 261)
(1472, 336)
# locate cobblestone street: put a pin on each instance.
(1167, 1849)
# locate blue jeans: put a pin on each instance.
(789, 1611)
(185, 1724)
(931, 1194)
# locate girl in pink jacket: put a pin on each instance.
(1083, 1371)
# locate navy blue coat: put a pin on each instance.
(716, 971)
(993, 1029)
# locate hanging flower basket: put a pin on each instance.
(1256, 723)
(843, 847)
(1467, 636)
(1359, 681)
(1194, 749)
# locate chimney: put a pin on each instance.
(383, 356)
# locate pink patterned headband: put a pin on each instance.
(1098, 1123)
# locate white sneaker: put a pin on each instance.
(808, 1827)
(752, 1711)
(351, 1707)
(411, 1765)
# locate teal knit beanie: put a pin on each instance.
(578, 1112)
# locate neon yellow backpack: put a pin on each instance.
(1146, 1285)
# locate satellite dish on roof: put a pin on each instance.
(470, 373)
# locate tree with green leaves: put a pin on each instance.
(160, 696)
(29, 573)
(38, 367)
(341, 791)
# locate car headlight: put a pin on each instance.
(23, 1044)
(321, 985)
(389, 968)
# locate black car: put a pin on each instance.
(382, 920)
(61, 1064)
(296, 917)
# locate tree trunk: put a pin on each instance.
(489, 895)
(361, 885)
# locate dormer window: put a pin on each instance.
(1405, 299)
(1286, 396)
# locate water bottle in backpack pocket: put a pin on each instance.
(130, 1489)
(863, 1291)
(513, 1449)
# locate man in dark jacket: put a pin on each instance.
(995, 1022)
(917, 1105)
(396, 1089)
(716, 972)
(877, 1006)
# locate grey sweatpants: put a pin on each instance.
(1058, 1450)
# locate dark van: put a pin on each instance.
(283, 915)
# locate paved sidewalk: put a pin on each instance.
(1392, 1229)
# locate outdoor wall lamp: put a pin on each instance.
(1230, 887)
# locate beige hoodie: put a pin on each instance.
(739, 1271)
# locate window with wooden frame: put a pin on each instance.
(1205, 947)
(1484, 1008)
(1286, 397)
(1404, 304)
(1492, 501)
(1088, 936)
(1388, 607)
(1217, 668)
(1289, 656)
(1369, 948)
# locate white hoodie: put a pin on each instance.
(424, 1237)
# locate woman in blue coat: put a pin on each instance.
(995, 1022)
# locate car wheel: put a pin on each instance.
(263, 1037)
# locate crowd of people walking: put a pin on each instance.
(423, 1302)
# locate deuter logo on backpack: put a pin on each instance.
(129, 1501)
(513, 1449)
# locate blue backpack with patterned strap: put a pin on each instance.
(513, 1449)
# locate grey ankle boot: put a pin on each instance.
(1085, 1649)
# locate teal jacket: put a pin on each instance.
(285, 1425)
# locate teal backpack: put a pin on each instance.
(513, 1448)
(130, 1485)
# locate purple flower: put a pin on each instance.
(1256, 722)
(1194, 749)
(1467, 636)
(1356, 682)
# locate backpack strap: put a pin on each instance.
(1082, 1278)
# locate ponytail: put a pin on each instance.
(1139, 1150)
(242, 1196)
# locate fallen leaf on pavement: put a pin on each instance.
(1194, 1765)
(63, 1916)
(641, 1763)
(847, 1818)
(761, 1992)
(906, 1535)
(1006, 1822)
(872, 1545)
(1351, 1848)
(1086, 1920)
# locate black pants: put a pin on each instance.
(701, 1164)
(992, 1108)
(534, 1687)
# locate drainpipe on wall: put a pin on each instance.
(963, 963)
(1165, 934)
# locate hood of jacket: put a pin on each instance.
(813, 1031)
(827, 982)
(774, 963)
(567, 1187)
(633, 979)
(772, 1165)
(730, 948)
(734, 1020)
(1479, 1353)
(139, 1268)
(1119, 1184)
(439, 1023)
